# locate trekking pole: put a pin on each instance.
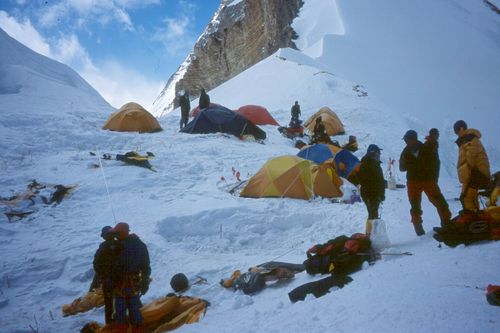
(387, 254)
(105, 183)
(293, 248)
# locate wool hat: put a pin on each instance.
(410, 134)
(373, 149)
(458, 125)
(105, 231)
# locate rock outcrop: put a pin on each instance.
(241, 33)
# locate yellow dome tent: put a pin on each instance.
(132, 117)
(293, 177)
(332, 123)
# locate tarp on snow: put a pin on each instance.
(221, 119)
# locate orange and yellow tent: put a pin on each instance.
(333, 125)
(132, 117)
(293, 177)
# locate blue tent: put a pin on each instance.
(318, 153)
(344, 160)
(220, 119)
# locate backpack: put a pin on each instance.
(341, 255)
(468, 228)
(250, 282)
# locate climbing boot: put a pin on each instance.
(419, 230)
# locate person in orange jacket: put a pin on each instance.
(473, 166)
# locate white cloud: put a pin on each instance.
(114, 82)
(25, 33)
(85, 11)
(119, 85)
(68, 50)
(176, 35)
(123, 17)
(51, 14)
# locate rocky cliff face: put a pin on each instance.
(242, 33)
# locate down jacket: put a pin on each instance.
(472, 159)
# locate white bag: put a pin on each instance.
(391, 183)
(378, 235)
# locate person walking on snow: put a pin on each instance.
(131, 273)
(419, 163)
(185, 105)
(204, 101)
(104, 260)
(473, 166)
(372, 183)
(295, 113)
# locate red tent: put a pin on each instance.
(257, 115)
(194, 112)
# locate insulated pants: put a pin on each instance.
(133, 305)
(183, 122)
(433, 192)
(469, 198)
(108, 308)
(372, 208)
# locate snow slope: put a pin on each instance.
(38, 98)
(192, 225)
(422, 58)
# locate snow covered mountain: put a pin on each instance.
(37, 98)
(191, 224)
(240, 34)
(435, 61)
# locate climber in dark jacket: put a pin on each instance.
(319, 133)
(185, 105)
(104, 260)
(372, 183)
(419, 162)
(131, 273)
(295, 113)
(432, 145)
(204, 101)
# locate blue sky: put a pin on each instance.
(127, 49)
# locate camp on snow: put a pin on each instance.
(293, 177)
(345, 161)
(333, 125)
(221, 119)
(132, 117)
(257, 114)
